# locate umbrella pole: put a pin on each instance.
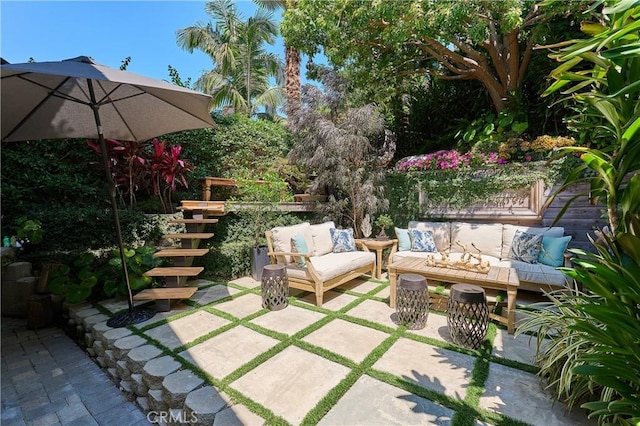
(131, 316)
(114, 208)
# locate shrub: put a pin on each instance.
(447, 160)
(518, 149)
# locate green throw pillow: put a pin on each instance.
(404, 241)
(552, 252)
(299, 245)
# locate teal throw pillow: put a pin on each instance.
(526, 247)
(299, 245)
(422, 241)
(404, 241)
(343, 240)
(552, 252)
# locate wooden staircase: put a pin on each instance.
(197, 216)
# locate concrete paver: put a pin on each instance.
(291, 383)
(518, 394)
(372, 402)
(288, 321)
(345, 338)
(213, 294)
(434, 368)
(243, 306)
(186, 329)
(226, 352)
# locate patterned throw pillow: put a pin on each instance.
(299, 245)
(422, 241)
(343, 240)
(526, 247)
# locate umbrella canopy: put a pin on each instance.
(77, 98)
(52, 100)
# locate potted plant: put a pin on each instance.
(256, 201)
(383, 222)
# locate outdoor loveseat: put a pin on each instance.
(494, 241)
(319, 257)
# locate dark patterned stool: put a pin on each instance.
(468, 315)
(275, 287)
(412, 301)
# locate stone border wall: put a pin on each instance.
(157, 383)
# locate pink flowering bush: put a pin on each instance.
(448, 160)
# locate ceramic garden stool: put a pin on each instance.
(275, 287)
(412, 301)
(468, 315)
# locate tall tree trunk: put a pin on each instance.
(292, 77)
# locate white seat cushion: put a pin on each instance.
(536, 272)
(332, 265)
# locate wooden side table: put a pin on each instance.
(378, 246)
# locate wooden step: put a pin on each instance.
(196, 221)
(179, 252)
(190, 235)
(166, 293)
(175, 271)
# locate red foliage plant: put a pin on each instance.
(134, 167)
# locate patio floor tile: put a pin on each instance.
(291, 383)
(345, 338)
(186, 329)
(176, 309)
(226, 352)
(520, 348)
(361, 286)
(246, 282)
(370, 310)
(237, 415)
(242, 306)
(333, 300)
(444, 371)
(372, 402)
(436, 328)
(519, 395)
(289, 320)
(211, 294)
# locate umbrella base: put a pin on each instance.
(130, 317)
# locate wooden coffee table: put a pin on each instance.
(498, 278)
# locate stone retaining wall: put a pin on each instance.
(160, 385)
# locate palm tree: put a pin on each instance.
(242, 68)
(292, 55)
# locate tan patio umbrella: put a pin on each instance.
(77, 98)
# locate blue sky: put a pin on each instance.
(109, 31)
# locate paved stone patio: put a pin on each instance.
(222, 359)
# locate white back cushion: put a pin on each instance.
(441, 232)
(487, 237)
(322, 242)
(282, 239)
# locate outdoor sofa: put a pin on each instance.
(495, 241)
(319, 257)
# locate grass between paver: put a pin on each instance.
(466, 411)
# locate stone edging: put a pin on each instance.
(164, 390)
